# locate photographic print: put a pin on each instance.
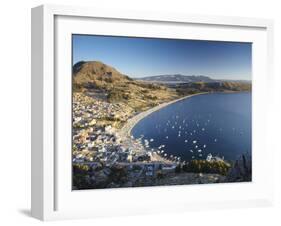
(156, 111)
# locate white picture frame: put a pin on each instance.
(52, 197)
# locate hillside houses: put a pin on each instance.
(97, 144)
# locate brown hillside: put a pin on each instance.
(91, 71)
(88, 77)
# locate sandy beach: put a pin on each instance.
(125, 131)
(129, 141)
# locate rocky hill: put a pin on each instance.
(95, 72)
(95, 78)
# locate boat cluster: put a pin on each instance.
(183, 129)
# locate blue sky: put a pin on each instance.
(140, 57)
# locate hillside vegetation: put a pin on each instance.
(196, 87)
(99, 80)
(96, 77)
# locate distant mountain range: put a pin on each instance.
(178, 78)
(140, 94)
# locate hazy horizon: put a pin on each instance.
(143, 57)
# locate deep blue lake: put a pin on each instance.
(217, 123)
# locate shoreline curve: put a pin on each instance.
(125, 131)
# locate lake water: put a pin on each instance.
(218, 123)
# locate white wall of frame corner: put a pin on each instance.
(15, 111)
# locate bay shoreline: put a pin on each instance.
(125, 131)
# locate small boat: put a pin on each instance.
(209, 157)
